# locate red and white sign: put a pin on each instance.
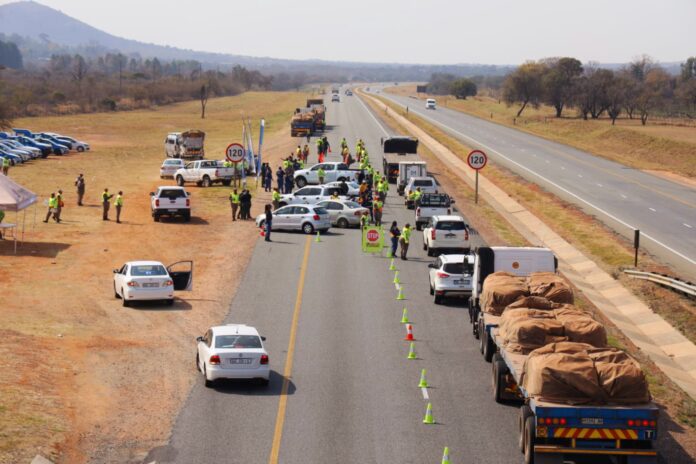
(235, 153)
(477, 159)
(372, 235)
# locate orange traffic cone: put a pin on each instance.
(262, 232)
(409, 333)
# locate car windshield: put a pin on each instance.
(450, 225)
(320, 210)
(237, 341)
(172, 194)
(423, 183)
(142, 270)
(351, 204)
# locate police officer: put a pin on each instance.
(234, 203)
(280, 178)
(118, 203)
(6, 166)
(80, 185)
(106, 198)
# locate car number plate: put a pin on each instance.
(240, 360)
(592, 421)
(151, 285)
(172, 210)
(450, 235)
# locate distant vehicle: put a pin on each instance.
(430, 104)
(408, 169)
(426, 184)
(57, 148)
(307, 218)
(352, 188)
(170, 201)
(344, 213)
(74, 144)
(189, 144)
(446, 233)
(54, 139)
(24, 132)
(151, 280)
(35, 152)
(349, 93)
(25, 155)
(204, 173)
(451, 275)
(45, 148)
(311, 195)
(396, 150)
(432, 204)
(335, 98)
(169, 167)
(232, 351)
(14, 159)
(333, 172)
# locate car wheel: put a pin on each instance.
(227, 183)
(438, 299)
(529, 434)
(198, 362)
(425, 246)
(432, 290)
(180, 181)
(187, 217)
(124, 301)
(170, 302)
(116, 295)
(300, 182)
(206, 181)
(499, 373)
(488, 346)
(418, 226)
(307, 228)
(155, 217)
(342, 223)
(206, 382)
(80, 149)
(431, 252)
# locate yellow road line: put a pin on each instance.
(283, 402)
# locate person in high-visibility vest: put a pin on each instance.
(305, 153)
(298, 151)
(404, 240)
(5, 166)
(234, 203)
(227, 164)
(383, 188)
(344, 144)
(377, 205)
(118, 203)
(59, 205)
(276, 199)
(106, 198)
(321, 173)
(417, 195)
(52, 203)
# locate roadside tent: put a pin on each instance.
(14, 197)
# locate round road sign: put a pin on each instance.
(235, 153)
(477, 159)
(372, 235)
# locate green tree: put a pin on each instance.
(10, 56)
(560, 81)
(462, 88)
(525, 86)
(688, 69)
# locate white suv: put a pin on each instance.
(451, 275)
(446, 233)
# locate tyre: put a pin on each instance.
(187, 217)
(499, 373)
(425, 246)
(124, 301)
(300, 182)
(418, 226)
(307, 228)
(170, 302)
(525, 412)
(342, 223)
(529, 437)
(155, 217)
(80, 149)
(481, 335)
(227, 183)
(206, 382)
(198, 363)
(206, 181)
(430, 252)
(438, 299)
(180, 181)
(432, 290)
(488, 346)
(262, 224)
(116, 295)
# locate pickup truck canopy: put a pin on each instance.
(400, 144)
(435, 199)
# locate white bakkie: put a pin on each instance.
(446, 233)
(204, 173)
(332, 172)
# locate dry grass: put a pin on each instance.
(666, 145)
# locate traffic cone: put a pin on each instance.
(423, 383)
(411, 351)
(396, 278)
(318, 239)
(391, 265)
(428, 419)
(262, 232)
(409, 333)
(404, 316)
(445, 456)
(400, 296)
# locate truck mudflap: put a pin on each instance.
(552, 454)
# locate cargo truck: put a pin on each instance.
(186, 145)
(397, 150)
(302, 123)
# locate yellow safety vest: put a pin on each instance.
(53, 202)
(276, 196)
(119, 200)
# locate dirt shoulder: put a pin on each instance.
(85, 380)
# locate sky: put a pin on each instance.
(404, 31)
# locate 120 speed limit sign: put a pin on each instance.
(477, 159)
(235, 152)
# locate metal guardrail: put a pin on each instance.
(685, 287)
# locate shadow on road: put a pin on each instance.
(38, 249)
(246, 387)
(179, 305)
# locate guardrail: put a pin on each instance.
(679, 285)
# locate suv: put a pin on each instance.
(451, 274)
(432, 204)
(170, 201)
(430, 104)
(446, 233)
(427, 184)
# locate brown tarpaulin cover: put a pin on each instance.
(499, 290)
(551, 286)
(533, 302)
(577, 373)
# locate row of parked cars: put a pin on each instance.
(22, 145)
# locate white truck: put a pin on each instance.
(409, 169)
(430, 205)
(187, 144)
(170, 201)
(204, 173)
(332, 172)
(311, 195)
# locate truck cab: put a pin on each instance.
(396, 150)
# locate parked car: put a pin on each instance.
(76, 145)
(426, 184)
(451, 275)
(45, 148)
(54, 139)
(56, 148)
(232, 351)
(204, 173)
(170, 201)
(432, 204)
(446, 233)
(24, 155)
(311, 195)
(169, 167)
(332, 172)
(352, 188)
(307, 218)
(151, 280)
(14, 159)
(344, 213)
(35, 152)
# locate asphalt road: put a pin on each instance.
(352, 394)
(622, 197)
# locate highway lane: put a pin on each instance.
(622, 197)
(353, 395)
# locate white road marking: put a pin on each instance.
(653, 210)
(600, 185)
(425, 393)
(623, 196)
(580, 176)
(563, 168)
(687, 225)
(574, 195)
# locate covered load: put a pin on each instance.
(578, 373)
(540, 290)
(499, 290)
(550, 286)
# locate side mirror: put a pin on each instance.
(152, 194)
(432, 266)
(263, 338)
(199, 339)
(452, 201)
(116, 271)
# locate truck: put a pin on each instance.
(333, 172)
(204, 173)
(318, 110)
(432, 204)
(302, 123)
(408, 169)
(170, 201)
(396, 150)
(187, 145)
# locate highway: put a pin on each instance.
(352, 396)
(622, 197)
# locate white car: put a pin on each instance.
(451, 275)
(430, 104)
(307, 218)
(74, 144)
(232, 351)
(151, 280)
(335, 98)
(344, 213)
(446, 233)
(426, 184)
(169, 167)
(311, 195)
(353, 188)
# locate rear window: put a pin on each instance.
(172, 194)
(320, 210)
(435, 200)
(237, 341)
(423, 183)
(148, 270)
(450, 225)
(172, 163)
(351, 204)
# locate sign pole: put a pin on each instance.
(636, 244)
(476, 161)
(476, 194)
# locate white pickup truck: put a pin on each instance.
(432, 204)
(170, 201)
(204, 173)
(332, 172)
(311, 195)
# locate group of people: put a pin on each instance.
(323, 148)
(241, 204)
(400, 238)
(56, 203)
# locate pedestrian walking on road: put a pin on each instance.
(6, 166)
(59, 205)
(80, 185)
(280, 178)
(52, 204)
(234, 203)
(305, 153)
(404, 240)
(395, 233)
(276, 199)
(106, 198)
(268, 222)
(118, 203)
(377, 205)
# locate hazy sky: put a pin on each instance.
(406, 31)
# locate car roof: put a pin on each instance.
(170, 187)
(457, 258)
(234, 329)
(144, 263)
(422, 178)
(448, 217)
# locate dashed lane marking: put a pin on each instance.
(425, 393)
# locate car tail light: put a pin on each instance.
(443, 275)
(358, 213)
(466, 234)
(264, 359)
(432, 234)
(214, 359)
(133, 284)
(157, 202)
(188, 202)
(315, 217)
(169, 283)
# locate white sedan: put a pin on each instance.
(232, 351)
(344, 213)
(170, 166)
(451, 275)
(151, 280)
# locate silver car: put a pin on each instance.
(169, 167)
(344, 213)
(307, 218)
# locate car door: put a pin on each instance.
(308, 195)
(181, 273)
(204, 346)
(300, 195)
(297, 217)
(281, 218)
(119, 277)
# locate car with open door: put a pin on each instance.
(152, 280)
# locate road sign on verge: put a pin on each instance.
(477, 159)
(372, 239)
(235, 153)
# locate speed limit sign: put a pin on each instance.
(477, 159)
(235, 153)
